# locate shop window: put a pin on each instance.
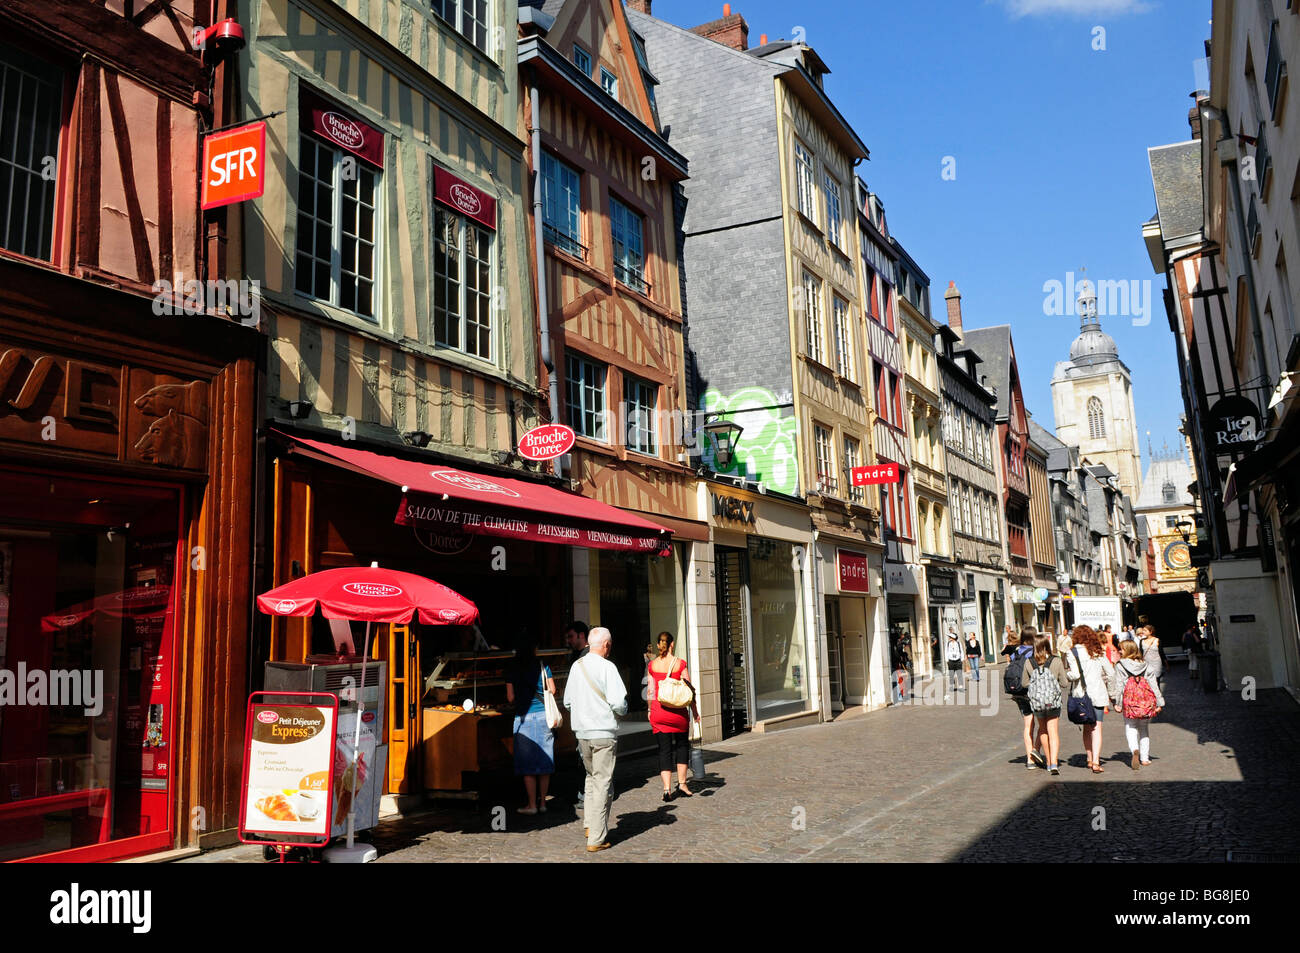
(640, 401)
(30, 106)
(585, 390)
(780, 667)
(87, 603)
(462, 285)
(337, 229)
(469, 18)
(562, 206)
(629, 247)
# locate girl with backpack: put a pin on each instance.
(1137, 696)
(1013, 683)
(1046, 685)
(1092, 674)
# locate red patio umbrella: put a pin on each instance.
(139, 602)
(368, 595)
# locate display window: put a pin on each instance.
(87, 596)
(780, 666)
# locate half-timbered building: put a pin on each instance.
(127, 413)
(611, 311)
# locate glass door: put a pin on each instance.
(733, 637)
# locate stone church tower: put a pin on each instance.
(1092, 399)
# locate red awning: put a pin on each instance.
(449, 500)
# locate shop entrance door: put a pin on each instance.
(835, 653)
(405, 690)
(730, 567)
(856, 657)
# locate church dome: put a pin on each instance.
(1093, 345)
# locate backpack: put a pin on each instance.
(1044, 690)
(954, 651)
(1013, 679)
(1139, 700)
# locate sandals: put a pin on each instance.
(684, 791)
(668, 796)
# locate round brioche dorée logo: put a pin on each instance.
(372, 590)
(286, 605)
(343, 130)
(466, 199)
(468, 481)
(267, 717)
(448, 615)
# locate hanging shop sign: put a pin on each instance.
(464, 198)
(289, 745)
(1232, 425)
(546, 442)
(872, 476)
(340, 128)
(943, 586)
(234, 166)
(855, 571)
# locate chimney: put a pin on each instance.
(1194, 120)
(762, 39)
(640, 6)
(731, 30)
(953, 297)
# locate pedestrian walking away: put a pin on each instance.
(973, 651)
(534, 744)
(575, 637)
(953, 654)
(1137, 695)
(1013, 685)
(1091, 674)
(596, 698)
(1047, 685)
(1192, 643)
(670, 723)
(1152, 653)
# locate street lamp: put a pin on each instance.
(726, 434)
(1185, 528)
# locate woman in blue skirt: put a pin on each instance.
(534, 742)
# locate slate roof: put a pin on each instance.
(994, 346)
(1176, 175)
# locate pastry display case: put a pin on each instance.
(468, 725)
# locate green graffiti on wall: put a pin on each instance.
(768, 448)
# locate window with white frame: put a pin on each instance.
(826, 482)
(806, 182)
(468, 17)
(843, 336)
(462, 284)
(834, 213)
(585, 396)
(338, 234)
(609, 82)
(852, 460)
(582, 60)
(812, 309)
(967, 526)
(640, 398)
(629, 250)
(30, 107)
(997, 531)
(562, 205)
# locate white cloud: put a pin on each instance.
(1038, 8)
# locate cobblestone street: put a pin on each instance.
(924, 783)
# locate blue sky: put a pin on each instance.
(1049, 137)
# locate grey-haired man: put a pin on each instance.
(596, 698)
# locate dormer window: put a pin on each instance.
(609, 82)
(582, 60)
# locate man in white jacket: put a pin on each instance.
(595, 696)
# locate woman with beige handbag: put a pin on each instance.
(671, 699)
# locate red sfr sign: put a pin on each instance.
(870, 476)
(234, 165)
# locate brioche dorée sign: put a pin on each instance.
(464, 198)
(546, 442)
(340, 128)
(871, 476)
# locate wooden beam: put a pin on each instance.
(80, 28)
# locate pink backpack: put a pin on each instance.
(1139, 700)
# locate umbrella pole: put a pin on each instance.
(356, 737)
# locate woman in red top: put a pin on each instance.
(670, 725)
